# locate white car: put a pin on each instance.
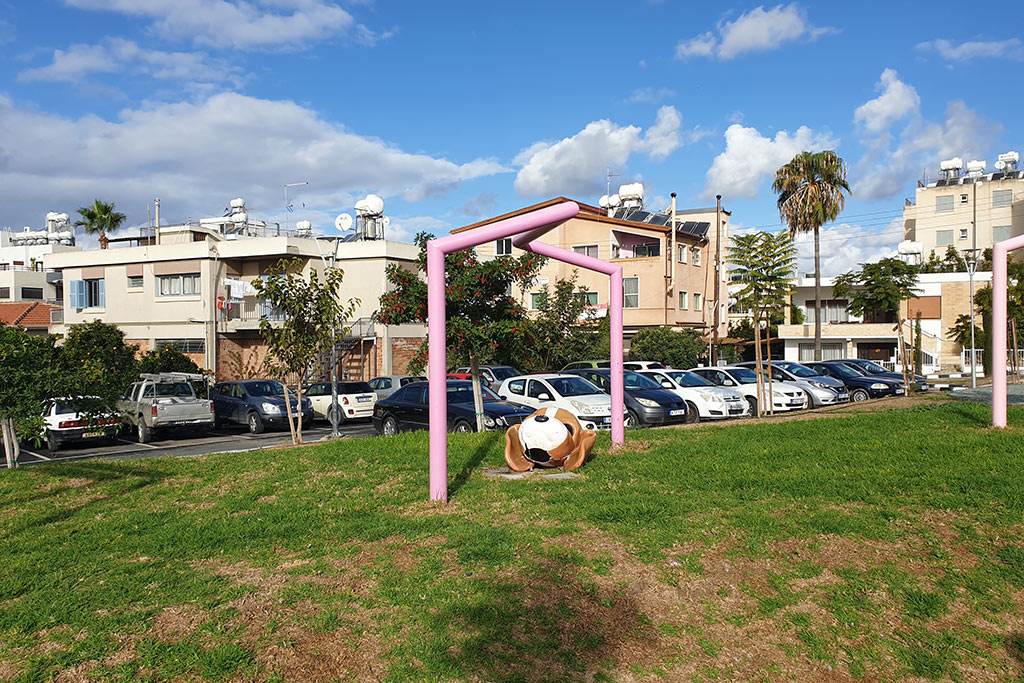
(703, 399)
(355, 400)
(65, 424)
(785, 396)
(638, 365)
(591, 406)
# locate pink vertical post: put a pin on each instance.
(437, 364)
(1000, 252)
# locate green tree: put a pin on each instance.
(167, 359)
(918, 352)
(99, 219)
(671, 348)
(483, 321)
(563, 329)
(961, 332)
(810, 190)
(98, 354)
(882, 286)
(31, 373)
(764, 267)
(311, 310)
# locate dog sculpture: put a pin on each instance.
(550, 437)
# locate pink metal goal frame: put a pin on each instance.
(1000, 254)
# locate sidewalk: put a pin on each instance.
(1014, 394)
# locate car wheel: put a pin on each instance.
(52, 444)
(630, 420)
(255, 422)
(389, 427)
(859, 395)
(810, 401)
(752, 402)
(145, 433)
(462, 427)
(692, 414)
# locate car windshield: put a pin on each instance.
(634, 380)
(689, 379)
(873, 368)
(798, 370)
(351, 387)
(743, 375)
(464, 394)
(573, 386)
(264, 388)
(503, 372)
(846, 371)
(174, 389)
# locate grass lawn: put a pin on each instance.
(862, 545)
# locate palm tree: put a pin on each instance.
(810, 189)
(100, 218)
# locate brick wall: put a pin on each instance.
(143, 345)
(235, 355)
(402, 351)
(956, 301)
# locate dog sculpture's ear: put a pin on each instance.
(514, 457)
(583, 446)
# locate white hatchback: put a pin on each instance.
(785, 396)
(591, 406)
(355, 400)
(704, 400)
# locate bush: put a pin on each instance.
(681, 349)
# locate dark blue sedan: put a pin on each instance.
(647, 403)
(871, 368)
(861, 386)
(408, 409)
(257, 404)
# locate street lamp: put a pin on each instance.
(333, 413)
(287, 206)
(972, 265)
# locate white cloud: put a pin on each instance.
(239, 24)
(896, 101)
(119, 55)
(756, 30)
(197, 155)
(1011, 48)
(480, 205)
(405, 229)
(649, 95)
(576, 165)
(749, 158)
(844, 246)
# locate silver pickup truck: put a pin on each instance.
(163, 401)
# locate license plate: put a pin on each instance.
(899, 391)
(796, 402)
(736, 410)
(364, 399)
(677, 412)
(91, 435)
(606, 420)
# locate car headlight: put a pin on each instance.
(488, 421)
(879, 385)
(582, 407)
(271, 409)
(820, 385)
(710, 398)
(647, 403)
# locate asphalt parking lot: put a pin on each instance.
(181, 444)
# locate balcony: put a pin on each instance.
(847, 330)
(246, 314)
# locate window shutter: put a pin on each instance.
(77, 294)
(103, 299)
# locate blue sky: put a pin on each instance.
(453, 112)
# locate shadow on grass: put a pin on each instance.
(474, 461)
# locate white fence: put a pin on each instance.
(965, 361)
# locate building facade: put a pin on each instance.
(23, 276)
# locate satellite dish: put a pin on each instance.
(343, 222)
(1000, 165)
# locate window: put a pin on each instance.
(696, 256)
(5, 292)
(503, 247)
(183, 345)
(31, 292)
(943, 238)
(134, 282)
(631, 292)
(696, 301)
(517, 386)
(1001, 232)
(537, 300)
(963, 199)
(963, 233)
(1002, 198)
(829, 351)
(587, 250)
(682, 300)
(943, 203)
(536, 389)
(592, 299)
(645, 250)
(835, 311)
(179, 285)
(87, 293)
(683, 249)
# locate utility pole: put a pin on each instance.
(718, 279)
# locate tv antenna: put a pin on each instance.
(608, 175)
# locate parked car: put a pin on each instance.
(704, 400)
(591, 406)
(861, 386)
(869, 367)
(77, 419)
(257, 404)
(785, 396)
(821, 390)
(581, 364)
(643, 365)
(166, 401)
(385, 385)
(355, 400)
(408, 409)
(647, 403)
(492, 375)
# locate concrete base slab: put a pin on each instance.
(506, 473)
(1014, 394)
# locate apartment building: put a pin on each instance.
(668, 275)
(965, 210)
(23, 276)
(943, 297)
(189, 287)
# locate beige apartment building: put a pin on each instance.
(189, 287)
(961, 210)
(668, 277)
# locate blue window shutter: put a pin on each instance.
(103, 298)
(77, 293)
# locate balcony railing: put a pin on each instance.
(252, 310)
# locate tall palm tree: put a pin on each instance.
(100, 218)
(810, 189)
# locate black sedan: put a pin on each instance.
(874, 369)
(647, 403)
(861, 386)
(408, 409)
